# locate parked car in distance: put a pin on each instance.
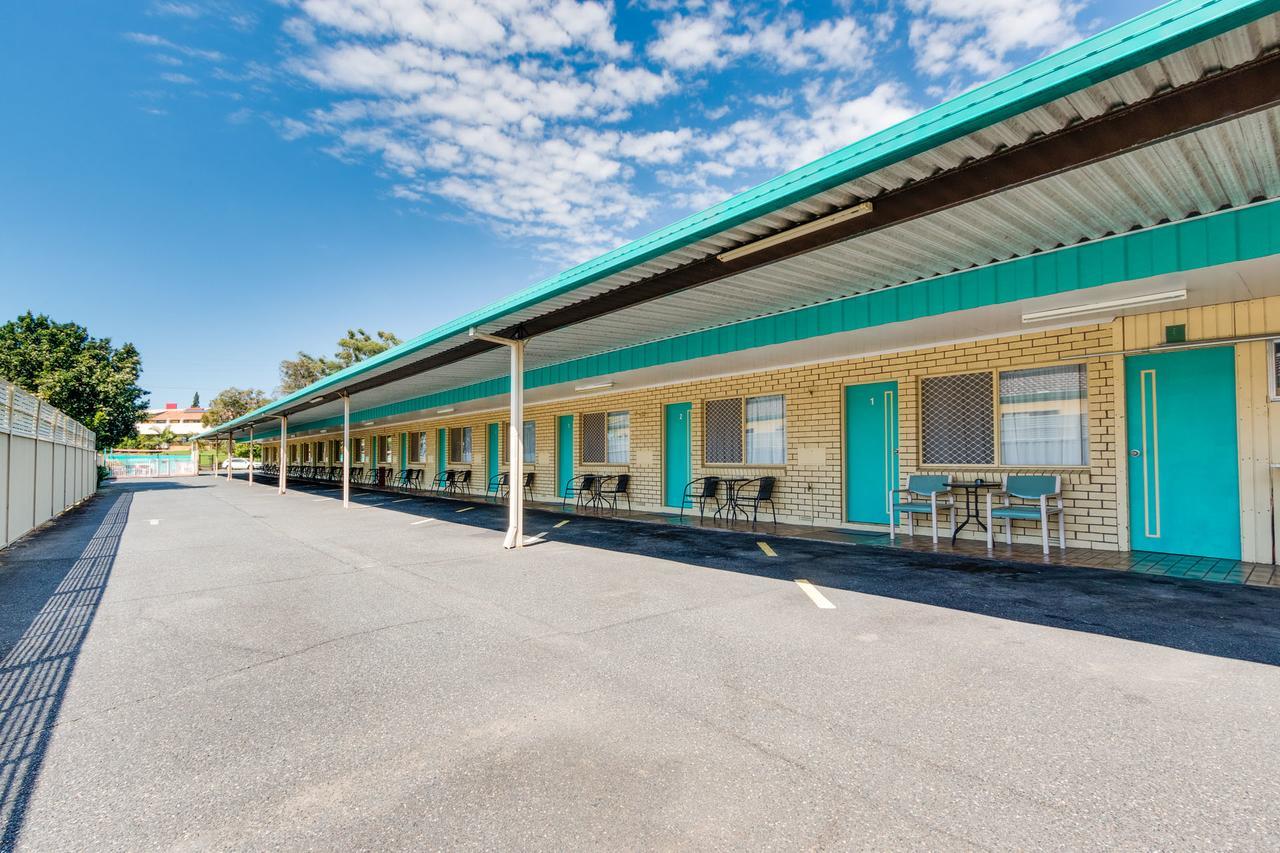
(239, 463)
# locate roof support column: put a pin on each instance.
(346, 451)
(283, 467)
(250, 455)
(231, 451)
(515, 441)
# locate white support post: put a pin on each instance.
(515, 444)
(283, 466)
(251, 455)
(515, 476)
(346, 451)
(231, 451)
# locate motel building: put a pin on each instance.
(1070, 275)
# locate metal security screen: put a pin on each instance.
(595, 439)
(957, 420)
(724, 431)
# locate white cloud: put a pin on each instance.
(976, 38)
(721, 33)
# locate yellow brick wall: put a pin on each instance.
(814, 395)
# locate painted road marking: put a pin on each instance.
(155, 521)
(539, 538)
(401, 500)
(563, 523)
(768, 552)
(422, 521)
(465, 509)
(317, 500)
(815, 596)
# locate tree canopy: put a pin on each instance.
(231, 403)
(85, 377)
(356, 346)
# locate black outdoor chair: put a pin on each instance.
(440, 481)
(498, 486)
(583, 484)
(528, 485)
(700, 491)
(355, 475)
(611, 488)
(413, 481)
(762, 494)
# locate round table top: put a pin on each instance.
(973, 484)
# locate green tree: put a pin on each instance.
(86, 377)
(356, 346)
(231, 403)
(195, 400)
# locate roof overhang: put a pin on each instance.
(1036, 131)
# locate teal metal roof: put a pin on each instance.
(1167, 29)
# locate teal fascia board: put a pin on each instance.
(1164, 30)
(1235, 235)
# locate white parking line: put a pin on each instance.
(401, 500)
(815, 596)
(420, 521)
(563, 523)
(465, 509)
(317, 500)
(155, 521)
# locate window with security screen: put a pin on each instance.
(746, 430)
(606, 438)
(460, 444)
(320, 451)
(358, 451)
(957, 420)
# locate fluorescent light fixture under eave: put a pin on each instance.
(597, 386)
(444, 411)
(798, 231)
(316, 399)
(1106, 307)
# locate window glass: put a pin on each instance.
(530, 442)
(384, 445)
(619, 438)
(1044, 418)
(320, 451)
(460, 444)
(957, 420)
(766, 431)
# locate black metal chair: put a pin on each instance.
(611, 488)
(414, 481)
(583, 484)
(498, 486)
(528, 485)
(462, 482)
(762, 494)
(701, 490)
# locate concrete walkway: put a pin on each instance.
(201, 664)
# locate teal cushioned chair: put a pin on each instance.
(925, 493)
(1045, 493)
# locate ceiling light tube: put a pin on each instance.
(444, 411)
(316, 399)
(597, 386)
(798, 231)
(1106, 307)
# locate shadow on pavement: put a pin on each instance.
(51, 583)
(1224, 620)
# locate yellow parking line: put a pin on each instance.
(768, 552)
(465, 509)
(562, 523)
(815, 596)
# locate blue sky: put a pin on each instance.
(225, 182)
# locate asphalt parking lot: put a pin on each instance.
(200, 664)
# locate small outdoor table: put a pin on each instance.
(731, 507)
(971, 488)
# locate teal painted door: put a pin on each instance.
(676, 452)
(493, 450)
(442, 449)
(870, 450)
(1184, 480)
(564, 452)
